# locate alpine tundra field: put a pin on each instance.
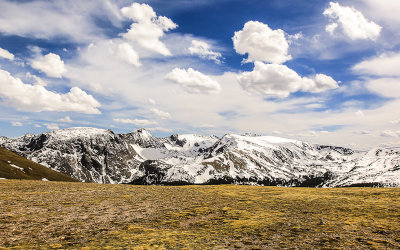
(40, 214)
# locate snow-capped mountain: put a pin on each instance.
(97, 155)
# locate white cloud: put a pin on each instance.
(321, 83)
(42, 19)
(297, 36)
(385, 11)
(160, 129)
(384, 70)
(359, 113)
(148, 27)
(6, 54)
(395, 121)
(65, 119)
(38, 80)
(203, 50)
(192, 81)
(330, 28)
(205, 125)
(51, 64)
(52, 126)
(16, 124)
(352, 22)
(137, 122)
(261, 43)
(128, 54)
(161, 114)
(388, 87)
(151, 101)
(37, 126)
(309, 133)
(279, 80)
(36, 98)
(390, 133)
(386, 64)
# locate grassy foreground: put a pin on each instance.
(36, 214)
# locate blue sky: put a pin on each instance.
(318, 71)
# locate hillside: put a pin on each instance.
(13, 166)
(37, 214)
(138, 157)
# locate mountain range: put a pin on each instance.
(102, 156)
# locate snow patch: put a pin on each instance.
(153, 154)
(19, 168)
(77, 132)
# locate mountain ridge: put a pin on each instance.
(102, 156)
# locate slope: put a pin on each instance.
(13, 166)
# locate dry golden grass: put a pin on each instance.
(37, 214)
(31, 170)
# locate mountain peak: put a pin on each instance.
(143, 138)
(143, 132)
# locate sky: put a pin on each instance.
(318, 71)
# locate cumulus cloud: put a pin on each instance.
(65, 119)
(279, 80)
(16, 124)
(137, 122)
(128, 54)
(50, 64)
(321, 83)
(203, 50)
(261, 43)
(351, 21)
(192, 81)
(386, 64)
(36, 98)
(6, 54)
(52, 126)
(147, 28)
(161, 114)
